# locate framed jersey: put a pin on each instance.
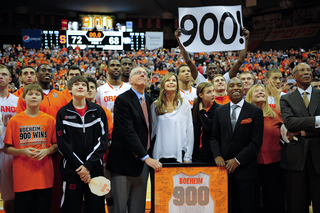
(196, 188)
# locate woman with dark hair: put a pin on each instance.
(172, 124)
(203, 114)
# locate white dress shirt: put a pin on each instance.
(238, 109)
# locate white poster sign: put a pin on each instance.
(154, 40)
(212, 28)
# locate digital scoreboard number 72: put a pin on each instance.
(95, 39)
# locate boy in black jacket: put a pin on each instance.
(82, 136)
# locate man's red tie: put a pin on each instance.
(145, 113)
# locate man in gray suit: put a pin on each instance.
(301, 159)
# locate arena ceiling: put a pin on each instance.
(142, 8)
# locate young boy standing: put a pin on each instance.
(91, 97)
(82, 135)
(31, 139)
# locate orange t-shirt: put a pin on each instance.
(304, 55)
(41, 55)
(77, 49)
(37, 132)
(50, 104)
(18, 92)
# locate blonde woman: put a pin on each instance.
(172, 124)
(269, 155)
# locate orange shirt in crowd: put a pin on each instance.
(110, 129)
(256, 66)
(18, 92)
(62, 72)
(77, 49)
(304, 55)
(222, 100)
(162, 72)
(36, 132)
(41, 55)
(50, 104)
(67, 94)
(84, 67)
(110, 121)
(25, 61)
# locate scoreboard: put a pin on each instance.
(134, 40)
(100, 40)
(53, 37)
(106, 40)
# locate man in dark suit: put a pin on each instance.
(301, 159)
(236, 138)
(129, 160)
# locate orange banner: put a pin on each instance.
(191, 189)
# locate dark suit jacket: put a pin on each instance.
(130, 135)
(297, 117)
(244, 143)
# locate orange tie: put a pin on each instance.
(145, 113)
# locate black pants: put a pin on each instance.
(72, 197)
(34, 201)
(203, 159)
(271, 180)
(300, 186)
(241, 195)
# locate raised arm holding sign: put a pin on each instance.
(210, 68)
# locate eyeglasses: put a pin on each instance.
(140, 73)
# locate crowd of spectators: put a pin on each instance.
(157, 62)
